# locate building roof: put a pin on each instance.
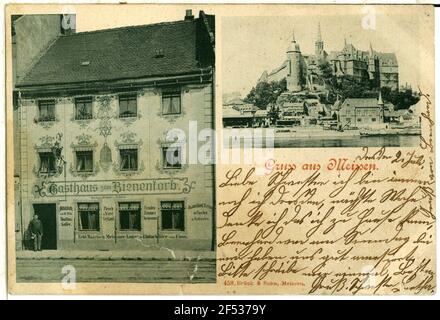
(360, 102)
(144, 51)
(395, 113)
(293, 104)
(333, 55)
(248, 107)
(261, 113)
(283, 65)
(385, 57)
(229, 112)
(233, 102)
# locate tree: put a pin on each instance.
(326, 71)
(352, 88)
(265, 93)
(273, 113)
(400, 99)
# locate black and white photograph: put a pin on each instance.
(107, 122)
(190, 150)
(322, 80)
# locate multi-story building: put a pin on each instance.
(361, 113)
(380, 68)
(302, 71)
(111, 144)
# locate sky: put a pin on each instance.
(251, 45)
(114, 16)
(248, 45)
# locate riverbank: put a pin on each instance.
(320, 138)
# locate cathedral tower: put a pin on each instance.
(319, 44)
(373, 68)
(294, 67)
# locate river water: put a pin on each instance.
(347, 142)
(371, 141)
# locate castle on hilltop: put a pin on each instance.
(302, 71)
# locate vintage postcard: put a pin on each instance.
(221, 149)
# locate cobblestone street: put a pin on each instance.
(173, 271)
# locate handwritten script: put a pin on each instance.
(348, 229)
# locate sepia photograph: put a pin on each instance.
(298, 159)
(323, 80)
(104, 190)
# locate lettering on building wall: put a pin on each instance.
(150, 213)
(66, 221)
(108, 213)
(145, 187)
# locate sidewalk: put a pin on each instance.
(147, 254)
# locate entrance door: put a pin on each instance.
(47, 213)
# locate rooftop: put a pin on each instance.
(360, 102)
(154, 50)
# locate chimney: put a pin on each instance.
(189, 16)
(68, 24)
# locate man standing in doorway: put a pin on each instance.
(36, 229)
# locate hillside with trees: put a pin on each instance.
(266, 93)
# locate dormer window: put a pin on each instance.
(159, 53)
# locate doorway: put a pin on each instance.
(47, 213)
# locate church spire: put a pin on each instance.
(294, 46)
(371, 51)
(319, 38)
(319, 44)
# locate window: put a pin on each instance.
(171, 102)
(130, 216)
(347, 119)
(173, 215)
(373, 119)
(83, 108)
(172, 157)
(88, 216)
(84, 161)
(129, 159)
(359, 119)
(127, 106)
(47, 162)
(46, 110)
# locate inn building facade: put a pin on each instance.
(104, 120)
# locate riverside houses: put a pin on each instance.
(362, 113)
(99, 164)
